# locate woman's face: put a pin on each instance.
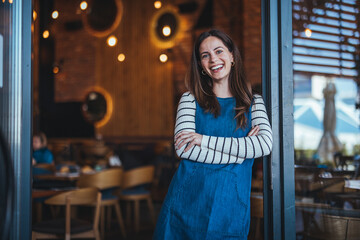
(215, 58)
(36, 143)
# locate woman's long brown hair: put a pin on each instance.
(201, 86)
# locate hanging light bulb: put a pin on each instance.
(121, 57)
(34, 15)
(46, 34)
(166, 31)
(55, 70)
(55, 14)
(157, 4)
(83, 5)
(163, 58)
(111, 41)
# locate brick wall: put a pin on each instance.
(252, 40)
(75, 51)
(84, 61)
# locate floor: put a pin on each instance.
(146, 226)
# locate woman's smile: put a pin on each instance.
(215, 58)
(217, 68)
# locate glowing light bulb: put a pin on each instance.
(55, 70)
(166, 31)
(163, 58)
(308, 32)
(34, 15)
(121, 57)
(55, 14)
(157, 4)
(83, 5)
(111, 41)
(46, 34)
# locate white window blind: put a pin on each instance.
(330, 46)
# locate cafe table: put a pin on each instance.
(47, 185)
(58, 176)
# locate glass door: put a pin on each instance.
(326, 118)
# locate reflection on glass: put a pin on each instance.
(326, 121)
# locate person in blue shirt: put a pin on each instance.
(41, 154)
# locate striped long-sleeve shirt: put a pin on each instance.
(226, 149)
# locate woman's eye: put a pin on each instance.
(204, 56)
(219, 51)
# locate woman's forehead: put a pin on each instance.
(210, 44)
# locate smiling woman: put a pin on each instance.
(220, 128)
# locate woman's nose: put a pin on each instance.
(213, 57)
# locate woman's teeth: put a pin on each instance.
(218, 67)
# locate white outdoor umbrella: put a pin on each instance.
(329, 143)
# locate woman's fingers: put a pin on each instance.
(254, 131)
(257, 130)
(184, 141)
(190, 138)
(181, 137)
(191, 144)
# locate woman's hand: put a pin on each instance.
(193, 138)
(186, 137)
(254, 131)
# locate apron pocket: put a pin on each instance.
(209, 201)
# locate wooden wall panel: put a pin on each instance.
(141, 86)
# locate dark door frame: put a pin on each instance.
(22, 137)
(277, 83)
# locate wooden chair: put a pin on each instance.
(70, 227)
(338, 228)
(131, 192)
(312, 227)
(106, 181)
(353, 228)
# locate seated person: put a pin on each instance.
(41, 154)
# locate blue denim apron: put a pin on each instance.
(209, 201)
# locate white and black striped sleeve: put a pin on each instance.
(185, 121)
(246, 147)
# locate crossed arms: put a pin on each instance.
(223, 150)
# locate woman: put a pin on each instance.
(220, 128)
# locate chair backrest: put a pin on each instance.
(353, 231)
(335, 227)
(108, 178)
(339, 227)
(83, 196)
(138, 176)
